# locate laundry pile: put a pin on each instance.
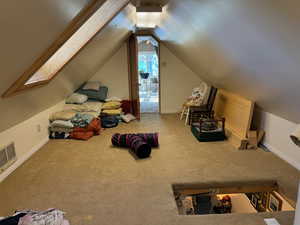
(140, 144)
(80, 127)
(29, 217)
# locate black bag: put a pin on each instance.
(109, 121)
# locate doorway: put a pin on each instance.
(148, 74)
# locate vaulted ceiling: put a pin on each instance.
(249, 47)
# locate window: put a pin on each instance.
(93, 18)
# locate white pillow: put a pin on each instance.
(76, 98)
(128, 117)
(92, 85)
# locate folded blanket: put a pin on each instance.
(61, 124)
(62, 115)
(60, 129)
(82, 120)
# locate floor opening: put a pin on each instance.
(148, 66)
(224, 199)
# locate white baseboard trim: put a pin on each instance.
(286, 158)
(23, 159)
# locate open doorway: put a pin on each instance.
(148, 73)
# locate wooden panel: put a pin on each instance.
(229, 188)
(238, 112)
(94, 18)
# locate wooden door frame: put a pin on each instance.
(146, 33)
(131, 73)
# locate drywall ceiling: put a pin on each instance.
(250, 47)
(20, 55)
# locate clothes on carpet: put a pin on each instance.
(30, 217)
(65, 124)
(81, 120)
(12, 220)
(58, 135)
(94, 128)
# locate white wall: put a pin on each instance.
(241, 204)
(27, 137)
(114, 74)
(177, 81)
(277, 137)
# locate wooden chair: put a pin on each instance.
(203, 111)
(196, 99)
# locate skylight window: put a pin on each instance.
(148, 16)
(148, 19)
(93, 18)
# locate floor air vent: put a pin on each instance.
(7, 156)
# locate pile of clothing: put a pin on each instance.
(30, 217)
(76, 121)
(80, 127)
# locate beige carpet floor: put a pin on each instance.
(97, 184)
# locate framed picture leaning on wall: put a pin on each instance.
(274, 203)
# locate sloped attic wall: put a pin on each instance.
(248, 47)
(81, 68)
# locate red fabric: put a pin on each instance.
(94, 128)
(82, 135)
(126, 106)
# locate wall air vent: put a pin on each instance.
(7, 156)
